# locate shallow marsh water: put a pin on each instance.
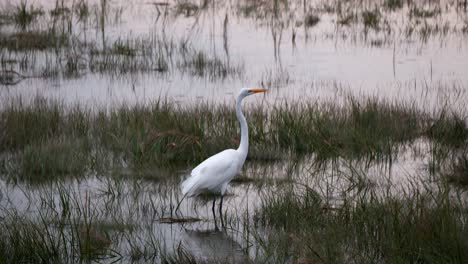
(321, 60)
(203, 52)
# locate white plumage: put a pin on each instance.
(214, 174)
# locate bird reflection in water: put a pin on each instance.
(213, 244)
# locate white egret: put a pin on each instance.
(214, 174)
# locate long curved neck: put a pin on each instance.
(244, 142)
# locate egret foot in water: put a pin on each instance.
(220, 213)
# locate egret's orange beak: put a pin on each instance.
(258, 90)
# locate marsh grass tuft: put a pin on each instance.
(414, 228)
(132, 55)
(465, 27)
(394, 4)
(284, 209)
(346, 19)
(121, 48)
(25, 242)
(249, 9)
(60, 11)
(311, 20)
(371, 18)
(198, 63)
(67, 229)
(458, 173)
(181, 255)
(36, 121)
(449, 129)
(160, 55)
(82, 10)
(424, 12)
(186, 8)
(55, 158)
(24, 16)
(369, 129)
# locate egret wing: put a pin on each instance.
(212, 173)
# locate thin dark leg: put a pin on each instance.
(221, 212)
(213, 208)
(214, 215)
(178, 205)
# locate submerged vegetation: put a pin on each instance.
(65, 29)
(58, 39)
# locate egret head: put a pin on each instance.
(249, 91)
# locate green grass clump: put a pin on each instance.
(311, 20)
(164, 134)
(371, 19)
(200, 64)
(393, 4)
(458, 173)
(419, 227)
(24, 124)
(53, 158)
(24, 16)
(465, 27)
(25, 242)
(132, 55)
(180, 256)
(284, 209)
(82, 10)
(186, 8)
(369, 129)
(67, 230)
(128, 132)
(346, 19)
(449, 130)
(59, 11)
(424, 13)
(121, 48)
